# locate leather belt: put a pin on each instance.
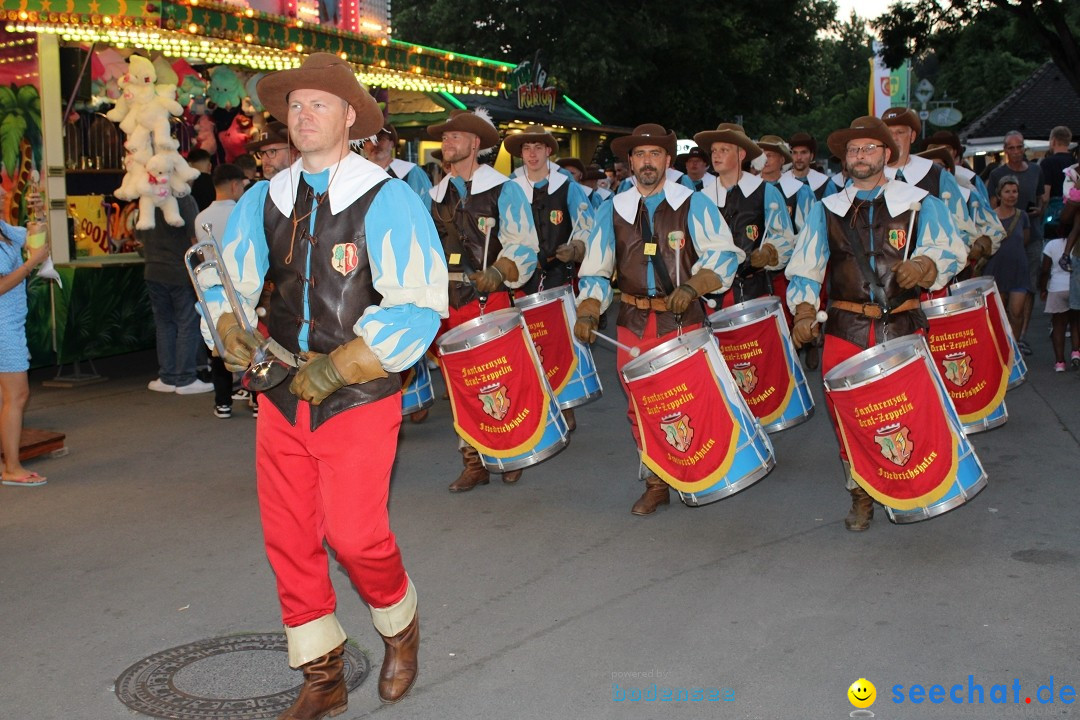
(459, 277)
(873, 311)
(656, 304)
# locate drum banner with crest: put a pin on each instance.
(902, 449)
(497, 394)
(687, 430)
(554, 342)
(968, 358)
(757, 358)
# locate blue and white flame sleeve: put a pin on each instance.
(517, 232)
(408, 269)
(594, 275)
(419, 181)
(806, 269)
(715, 247)
(939, 240)
(244, 254)
(778, 230)
(581, 212)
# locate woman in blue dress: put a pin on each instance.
(14, 357)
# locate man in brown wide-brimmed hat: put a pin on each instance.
(382, 151)
(860, 236)
(669, 246)
(477, 209)
(905, 126)
(803, 151)
(754, 210)
(347, 330)
(274, 149)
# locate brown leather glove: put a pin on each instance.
(702, 282)
(322, 374)
(573, 251)
(588, 319)
(980, 248)
(764, 256)
(919, 270)
(240, 344)
(805, 328)
(501, 271)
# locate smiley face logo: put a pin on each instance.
(862, 693)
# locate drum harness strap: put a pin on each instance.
(877, 291)
(455, 243)
(660, 271)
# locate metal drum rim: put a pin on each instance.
(746, 312)
(971, 286)
(543, 297)
(729, 490)
(911, 344)
(579, 401)
(966, 494)
(529, 460)
(943, 306)
(689, 343)
(452, 342)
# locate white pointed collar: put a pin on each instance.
(626, 202)
(555, 179)
(748, 183)
(485, 178)
(899, 197)
(814, 178)
(790, 185)
(401, 168)
(349, 179)
(914, 171)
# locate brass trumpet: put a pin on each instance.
(266, 369)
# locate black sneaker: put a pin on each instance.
(254, 409)
(223, 411)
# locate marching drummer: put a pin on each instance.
(797, 195)
(561, 211)
(880, 240)
(670, 247)
(905, 126)
(355, 328)
(753, 209)
(803, 151)
(382, 152)
(486, 226)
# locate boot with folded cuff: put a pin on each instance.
(474, 473)
(656, 494)
(323, 693)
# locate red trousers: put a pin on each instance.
(647, 342)
(331, 484)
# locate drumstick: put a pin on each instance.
(487, 238)
(910, 227)
(634, 352)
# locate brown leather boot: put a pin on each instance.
(512, 477)
(655, 495)
(419, 416)
(323, 693)
(571, 421)
(862, 511)
(474, 473)
(399, 666)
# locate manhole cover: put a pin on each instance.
(193, 682)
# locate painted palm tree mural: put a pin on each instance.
(20, 145)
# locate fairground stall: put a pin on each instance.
(64, 67)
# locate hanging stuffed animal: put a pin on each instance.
(226, 90)
(236, 137)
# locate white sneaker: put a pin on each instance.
(158, 386)
(196, 388)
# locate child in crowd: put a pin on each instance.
(1054, 291)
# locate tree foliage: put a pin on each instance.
(687, 65)
(911, 29)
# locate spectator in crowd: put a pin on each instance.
(274, 149)
(1054, 291)
(1053, 167)
(202, 188)
(14, 356)
(1034, 192)
(173, 300)
(248, 166)
(1009, 265)
(229, 184)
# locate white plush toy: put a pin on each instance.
(154, 192)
